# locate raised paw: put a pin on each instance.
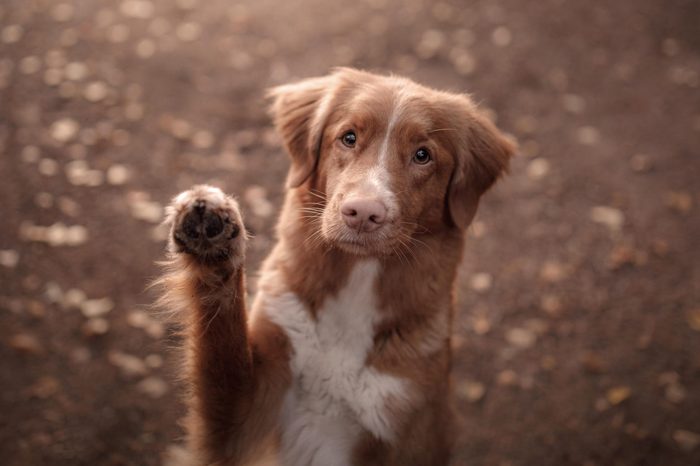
(206, 224)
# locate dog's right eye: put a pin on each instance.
(349, 139)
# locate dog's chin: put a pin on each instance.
(362, 244)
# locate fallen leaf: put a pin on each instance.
(680, 201)
(675, 393)
(129, 365)
(686, 439)
(471, 391)
(521, 337)
(617, 395)
(9, 258)
(96, 307)
(155, 387)
(538, 168)
(693, 317)
(552, 272)
(608, 216)
(64, 130)
(95, 326)
(481, 282)
(26, 343)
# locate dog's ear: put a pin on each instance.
(300, 111)
(484, 155)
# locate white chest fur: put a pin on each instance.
(334, 395)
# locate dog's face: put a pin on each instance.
(385, 159)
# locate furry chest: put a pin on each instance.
(334, 395)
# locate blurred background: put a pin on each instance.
(578, 336)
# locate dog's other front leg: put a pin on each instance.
(230, 374)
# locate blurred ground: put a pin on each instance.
(578, 339)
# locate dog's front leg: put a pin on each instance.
(226, 367)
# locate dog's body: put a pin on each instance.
(344, 356)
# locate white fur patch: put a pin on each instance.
(378, 177)
(334, 394)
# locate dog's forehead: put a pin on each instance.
(395, 103)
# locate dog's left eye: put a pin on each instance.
(422, 156)
(349, 139)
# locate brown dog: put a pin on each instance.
(344, 356)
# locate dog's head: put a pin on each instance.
(386, 158)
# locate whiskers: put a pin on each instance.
(311, 213)
(407, 244)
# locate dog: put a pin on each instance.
(344, 356)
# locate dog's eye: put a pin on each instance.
(422, 156)
(349, 139)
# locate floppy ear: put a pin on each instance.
(485, 155)
(300, 111)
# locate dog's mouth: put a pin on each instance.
(363, 244)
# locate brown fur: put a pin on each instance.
(239, 370)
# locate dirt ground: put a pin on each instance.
(578, 337)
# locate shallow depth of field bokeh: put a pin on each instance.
(578, 335)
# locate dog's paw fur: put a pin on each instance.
(206, 225)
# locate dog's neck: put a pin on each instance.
(414, 283)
